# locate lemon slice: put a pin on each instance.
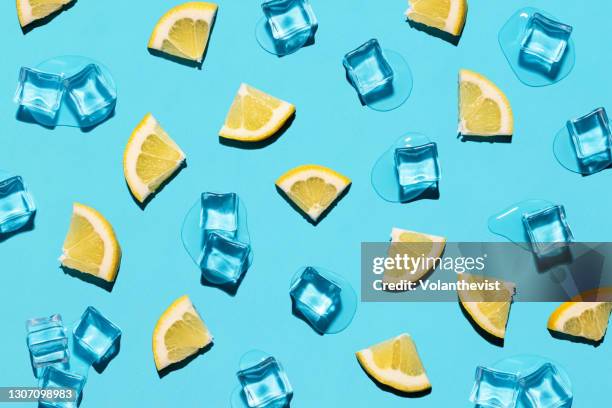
(588, 320)
(445, 15)
(255, 115)
(29, 11)
(150, 158)
(179, 333)
(313, 188)
(91, 245)
(484, 110)
(184, 30)
(488, 309)
(415, 245)
(396, 363)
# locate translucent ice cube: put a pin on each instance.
(592, 139)
(224, 259)
(47, 342)
(547, 229)
(292, 23)
(219, 213)
(91, 94)
(39, 92)
(16, 204)
(417, 167)
(265, 385)
(368, 69)
(544, 43)
(97, 336)
(56, 378)
(494, 389)
(544, 388)
(316, 298)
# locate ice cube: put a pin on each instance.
(265, 385)
(592, 139)
(545, 42)
(494, 389)
(544, 388)
(55, 378)
(316, 298)
(39, 92)
(547, 230)
(16, 205)
(224, 259)
(292, 23)
(417, 167)
(97, 336)
(368, 69)
(219, 213)
(92, 95)
(47, 342)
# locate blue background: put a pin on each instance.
(331, 128)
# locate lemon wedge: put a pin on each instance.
(484, 110)
(415, 245)
(446, 15)
(255, 116)
(488, 309)
(395, 363)
(179, 333)
(184, 30)
(29, 11)
(150, 158)
(588, 320)
(91, 245)
(313, 188)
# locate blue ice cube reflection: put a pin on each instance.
(39, 92)
(544, 44)
(494, 389)
(292, 23)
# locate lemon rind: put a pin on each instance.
(195, 10)
(112, 251)
(132, 150)
(280, 115)
(492, 91)
(455, 21)
(173, 313)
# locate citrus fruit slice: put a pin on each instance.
(150, 158)
(415, 245)
(445, 15)
(179, 333)
(395, 363)
(588, 320)
(91, 245)
(29, 11)
(255, 115)
(484, 110)
(313, 188)
(489, 309)
(184, 30)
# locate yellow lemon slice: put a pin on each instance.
(179, 333)
(489, 309)
(417, 246)
(313, 188)
(395, 363)
(588, 320)
(255, 115)
(484, 110)
(29, 11)
(91, 245)
(150, 158)
(445, 15)
(184, 30)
